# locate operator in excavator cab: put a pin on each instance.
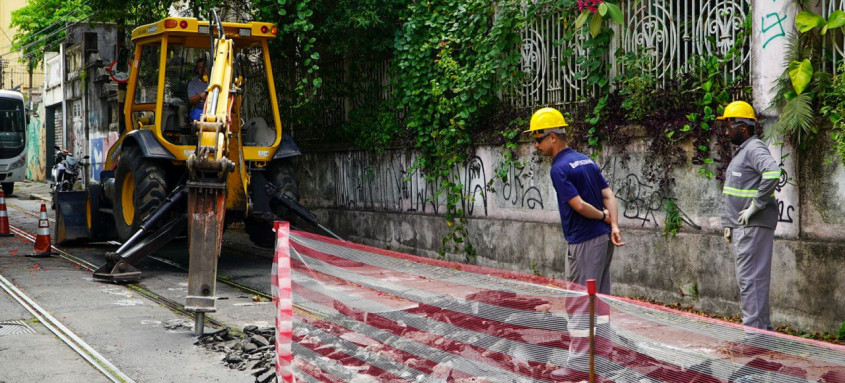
(198, 89)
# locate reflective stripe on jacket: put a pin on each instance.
(752, 174)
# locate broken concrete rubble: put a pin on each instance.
(252, 350)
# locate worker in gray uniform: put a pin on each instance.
(749, 213)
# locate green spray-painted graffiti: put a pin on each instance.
(777, 23)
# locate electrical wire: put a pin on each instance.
(68, 24)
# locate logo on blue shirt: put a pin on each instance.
(579, 163)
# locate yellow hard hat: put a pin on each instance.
(738, 109)
(546, 118)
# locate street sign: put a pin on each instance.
(116, 75)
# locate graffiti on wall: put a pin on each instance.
(99, 148)
(76, 134)
(785, 209)
(640, 201)
(519, 188)
(389, 182)
(36, 163)
(771, 25)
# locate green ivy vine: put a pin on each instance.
(595, 64)
(834, 109)
(452, 57)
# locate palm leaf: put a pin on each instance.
(796, 119)
(783, 84)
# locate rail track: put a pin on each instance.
(95, 359)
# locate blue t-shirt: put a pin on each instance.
(575, 174)
(195, 87)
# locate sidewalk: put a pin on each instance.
(33, 190)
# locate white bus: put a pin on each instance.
(13, 121)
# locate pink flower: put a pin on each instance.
(589, 4)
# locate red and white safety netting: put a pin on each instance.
(363, 314)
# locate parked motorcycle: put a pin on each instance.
(67, 171)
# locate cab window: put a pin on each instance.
(146, 87)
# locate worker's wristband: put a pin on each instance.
(603, 216)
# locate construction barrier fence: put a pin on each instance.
(363, 314)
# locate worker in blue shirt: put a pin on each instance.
(588, 207)
(589, 218)
(197, 89)
(750, 212)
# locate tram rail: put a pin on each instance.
(94, 358)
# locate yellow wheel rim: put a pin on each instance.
(127, 196)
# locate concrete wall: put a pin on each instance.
(371, 198)
(79, 80)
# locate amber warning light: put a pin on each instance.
(265, 29)
(169, 23)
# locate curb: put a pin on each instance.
(35, 196)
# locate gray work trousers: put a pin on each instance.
(591, 260)
(588, 260)
(753, 251)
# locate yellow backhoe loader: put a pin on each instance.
(197, 166)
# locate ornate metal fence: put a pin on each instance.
(671, 31)
(550, 73)
(835, 40)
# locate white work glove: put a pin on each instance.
(728, 234)
(746, 214)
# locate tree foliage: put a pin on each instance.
(40, 26)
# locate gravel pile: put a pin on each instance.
(254, 351)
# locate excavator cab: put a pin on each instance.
(165, 74)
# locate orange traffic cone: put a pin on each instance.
(4, 217)
(42, 238)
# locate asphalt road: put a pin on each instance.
(145, 340)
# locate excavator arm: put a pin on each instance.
(208, 168)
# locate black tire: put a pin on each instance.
(140, 188)
(260, 231)
(281, 174)
(8, 188)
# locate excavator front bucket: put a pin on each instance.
(70, 216)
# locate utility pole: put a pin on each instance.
(29, 68)
(2, 70)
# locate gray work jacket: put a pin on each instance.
(753, 174)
